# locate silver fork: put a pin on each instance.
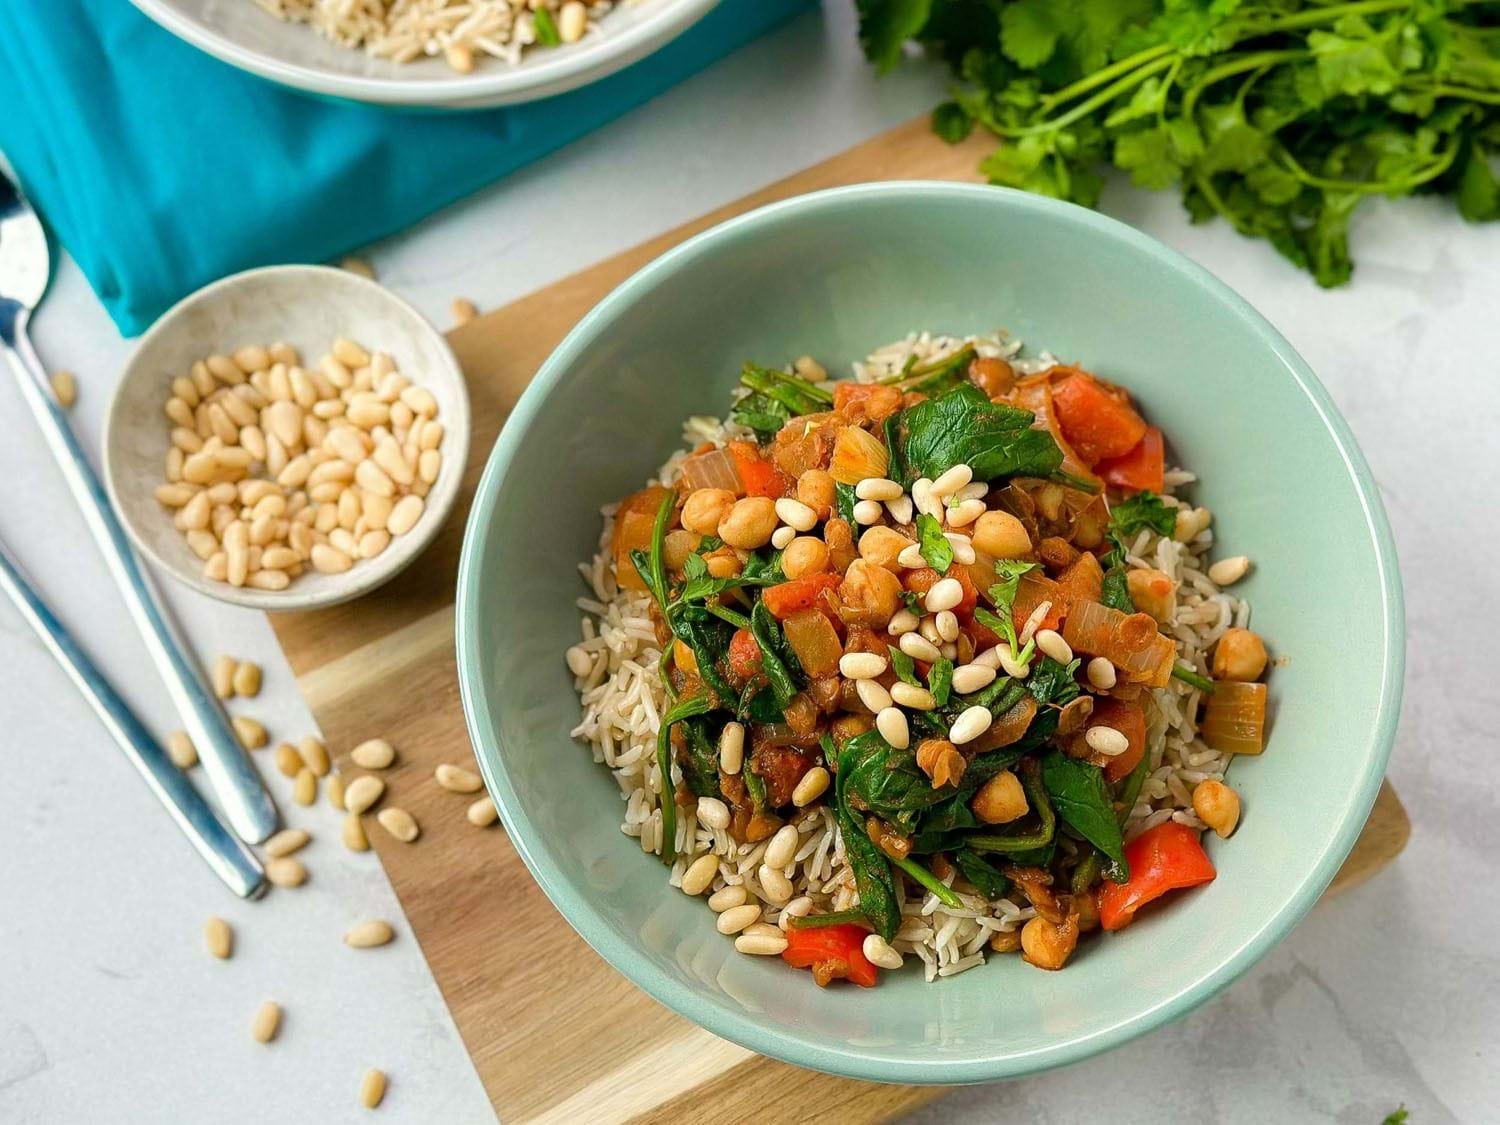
(25, 268)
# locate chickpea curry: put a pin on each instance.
(913, 603)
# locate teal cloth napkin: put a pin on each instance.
(161, 168)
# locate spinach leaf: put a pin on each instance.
(896, 467)
(886, 780)
(1082, 800)
(709, 642)
(1130, 791)
(834, 918)
(755, 786)
(700, 765)
(843, 502)
(872, 875)
(760, 413)
(1023, 842)
(699, 585)
(904, 667)
(797, 395)
(1115, 592)
(683, 709)
(938, 376)
(1129, 518)
(774, 654)
(933, 545)
(940, 681)
(983, 874)
(1052, 682)
(964, 427)
(926, 879)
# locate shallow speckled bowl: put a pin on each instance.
(835, 274)
(308, 307)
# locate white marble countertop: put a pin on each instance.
(109, 1009)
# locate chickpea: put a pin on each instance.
(881, 546)
(1153, 592)
(1239, 655)
(1086, 906)
(677, 547)
(871, 589)
(1006, 941)
(804, 555)
(749, 523)
(1217, 806)
(992, 375)
(840, 541)
(1048, 945)
(1000, 535)
(815, 489)
(704, 509)
(684, 657)
(723, 563)
(1000, 800)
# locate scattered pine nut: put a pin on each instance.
(252, 734)
(357, 266)
(456, 779)
(65, 387)
(315, 754)
(372, 1088)
(482, 813)
(374, 754)
(181, 750)
(354, 834)
(336, 790)
(305, 788)
(223, 677)
(246, 680)
(399, 823)
(367, 935)
(219, 938)
(285, 842)
(286, 872)
(267, 1022)
(289, 763)
(362, 793)
(464, 311)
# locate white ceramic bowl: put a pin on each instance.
(244, 35)
(308, 307)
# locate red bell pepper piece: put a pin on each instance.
(1166, 858)
(832, 953)
(786, 598)
(759, 476)
(1127, 718)
(744, 655)
(1098, 421)
(1144, 467)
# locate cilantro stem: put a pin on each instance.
(658, 548)
(1441, 164)
(837, 918)
(738, 620)
(1188, 676)
(1083, 109)
(1103, 75)
(1253, 61)
(945, 894)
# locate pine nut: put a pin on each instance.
(285, 842)
(1051, 644)
(179, 412)
(286, 871)
(353, 834)
(266, 1023)
(969, 678)
(482, 813)
(432, 436)
(223, 676)
(362, 793)
(862, 665)
(812, 786)
(700, 874)
(761, 944)
(1101, 673)
(572, 20)
(867, 512)
(929, 630)
(732, 748)
(336, 790)
(305, 789)
(945, 594)
(918, 699)
(369, 935)
(951, 481)
(904, 621)
(218, 938)
(963, 548)
(181, 750)
(399, 823)
(269, 580)
(330, 560)
(973, 722)
(713, 812)
(873, 695)
(64, 388)
(404, 515)
(878, 488)
(900, 509)
(783, 536)
(796, 514)
(893, 727)
(252, 734)
(1009, 664)
(965, 513)
(782, 848)
(246, 680)
(1107, 740)
(1226, 572)
(456, 779)
(288, 762)
(373, 754)
(919, 647)
(947, 625)
(727, 898)
(388, 456)
(372, 1088)
(879, 952)
(1191, 523)
(429, 463)
(736, 918)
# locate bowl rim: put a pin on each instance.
(844, 1059)
(580, 63)
(361, 579)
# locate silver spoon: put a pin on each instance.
(25, 267)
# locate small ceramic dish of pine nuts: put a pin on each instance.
(287, 438)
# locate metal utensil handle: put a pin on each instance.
(247, 805)
(231, 860)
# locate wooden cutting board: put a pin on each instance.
(558, 1035)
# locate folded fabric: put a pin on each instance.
(161, 168)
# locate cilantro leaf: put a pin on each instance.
(1145, 509)
(940, 680)
(934, 547)
(884, 25)
(904, 667)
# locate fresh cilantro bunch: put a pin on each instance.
(1280, 116)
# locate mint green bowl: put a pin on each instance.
(834, 275)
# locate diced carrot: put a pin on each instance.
(1129, 720)
(1034, 589)
(1035, 395)
(744, 655)
(787, 598)
(634, 522)
(759, 476)
(858, 401)
(1083, 581)
(1098, 422)
(1142, 468)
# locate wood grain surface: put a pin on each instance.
(570, 1039)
